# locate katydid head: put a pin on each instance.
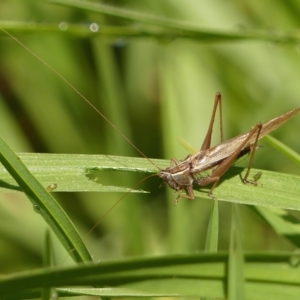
(167, 177)
(178, 179)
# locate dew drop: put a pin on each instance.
(36, 208)
(94, 27)
(63, 26)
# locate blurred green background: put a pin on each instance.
(158, 92)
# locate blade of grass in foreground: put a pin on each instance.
(267, 276)
(45, 205)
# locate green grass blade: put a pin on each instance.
(48, 261)
(44, 204)
(211, 243)
(173, 30)
(282, 223)
(187, 275)
(273, 189)
(75, 172)
(179, 28)
(236, 283)
(293, 155)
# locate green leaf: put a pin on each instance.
(236, 282)
(212, 236)
(178, 28)
(267, 276)
(75, 172)
(48, 261)
(44, 204)
(293, 155)
(273, 189)
(282, 222)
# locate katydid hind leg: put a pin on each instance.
(226, 164)
(207, 140)
(259, 126)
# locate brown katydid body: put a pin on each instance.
(182, 174)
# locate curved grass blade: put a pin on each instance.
(283, 223)
(267, 276)
(45, 205)
(293, 155)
